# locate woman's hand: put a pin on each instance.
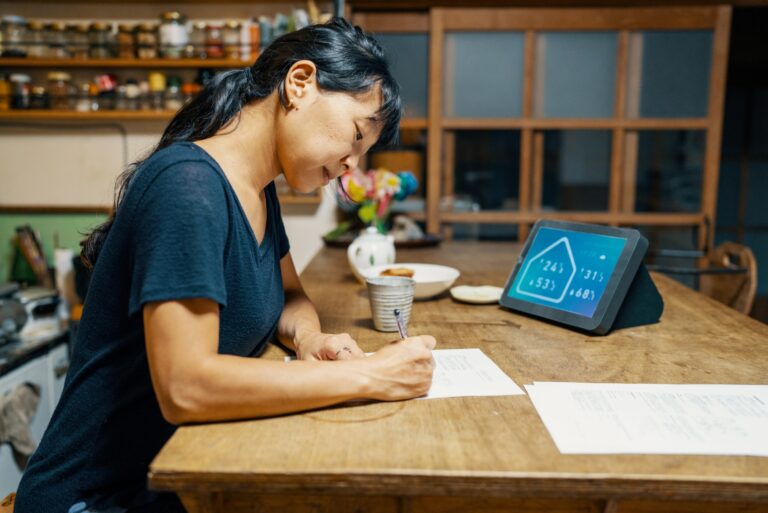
(401, 370)
(327, 346)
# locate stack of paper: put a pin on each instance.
(594, 418)
(468, 372)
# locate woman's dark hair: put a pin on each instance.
(346, 59)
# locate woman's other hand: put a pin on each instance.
(327, 346)
(401, 370)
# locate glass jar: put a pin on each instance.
(60, 90)
(83, 101)
(37, 45)
(214, 41)
(38, 98)
(5, 93)
(77, 41)
(126, 41)
(146, 41)
(231, 37)
(132, 94)
(106, 85)
(196, 47)
(173, 97)
(189, 90)
(157, 90)
(13, 34)
(173, 35)
(100, 39)
(57, 40)
(20, 90)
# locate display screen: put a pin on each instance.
(567, 270)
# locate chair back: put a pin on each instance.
(735, 290)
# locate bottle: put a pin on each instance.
(214, 41)
(173, 97)
(5, 93)
(38, 98)
(57, 40)
(13, 35)
(83, 100)
(59, 88)
(231, 39)
(174, 36)
(146, 41)
(157, 90)
(77, 41)
(20, 91)
(196, 47)
(132, 94)
(126, 42)
(99, 36)
(37, 46)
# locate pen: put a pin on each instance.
(400, 324)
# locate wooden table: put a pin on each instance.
(486, 454)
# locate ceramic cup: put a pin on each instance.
(387, 293)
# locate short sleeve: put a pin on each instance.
(283, 245)
(179, 234)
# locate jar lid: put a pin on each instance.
(199, 25)
(19, 77)
(147, 27)
(173, 16)
(99, 26)
(35, 25)
(57, 26)
(232, 24)
(80, 27)
(59, 75)
(38, 90)
(126, 27)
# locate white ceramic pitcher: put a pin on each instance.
(370, 248)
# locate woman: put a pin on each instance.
(192, 274)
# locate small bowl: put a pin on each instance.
(431, 280)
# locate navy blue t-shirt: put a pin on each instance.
(180, 232)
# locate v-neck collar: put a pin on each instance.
(261, 247)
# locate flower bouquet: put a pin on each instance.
(369, 195)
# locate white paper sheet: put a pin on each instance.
(596, 418)
(466, 372)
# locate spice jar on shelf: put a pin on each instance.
(157, 90)
(132, 94)
(60, 90)
(37, 46)
(189, 90)
(231, 37)
(106, 85)
(13, 36)
(77, 41)
(5, 93)
(38, 98)
(126, 41)
(196, 46)
(57, 40)
(173, 97)
(83, 100)
(146, 41)
(100, 37)
(173, 35)
(214, 41)
(20, 90)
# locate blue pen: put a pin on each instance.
(400, 324)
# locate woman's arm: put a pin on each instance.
(193, 383)
(299, 326)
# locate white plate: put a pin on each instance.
(483, 295)
(430, 279)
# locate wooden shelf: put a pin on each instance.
(285, 199)
(30, 62)
(72, 115)
(516, 216)
(575, 124)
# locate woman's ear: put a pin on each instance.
(301, 83)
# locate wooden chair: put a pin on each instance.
(736, 290)
(730, 277)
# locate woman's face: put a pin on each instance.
(323, 134)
